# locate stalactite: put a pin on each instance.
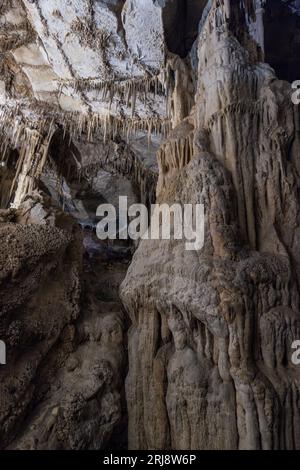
(110, 126)
(179, 86)
(176, 153)
(75, 124)
(32, 138)
(125, 89)
(33, 156)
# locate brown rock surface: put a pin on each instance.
(91, 95)
(214, 328)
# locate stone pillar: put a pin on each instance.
(259, 12)
(33, 155)
(227, 8)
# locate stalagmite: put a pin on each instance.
(147, 344)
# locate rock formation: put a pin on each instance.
(148, 345)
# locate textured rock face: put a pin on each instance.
(214, 329)
(74, 48)
(62, 386)
(209, 332)
(30, 296)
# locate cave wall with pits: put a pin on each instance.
(149, 346)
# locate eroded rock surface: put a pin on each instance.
(62, 386)
(166, 99)
(214, 328)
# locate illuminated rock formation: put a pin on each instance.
(178, 101)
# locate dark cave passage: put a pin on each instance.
(181, 19)
(282, 39)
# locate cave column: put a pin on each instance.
(259, 13)
(33, 155)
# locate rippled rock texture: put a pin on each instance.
(185, 102)
(214, 328)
